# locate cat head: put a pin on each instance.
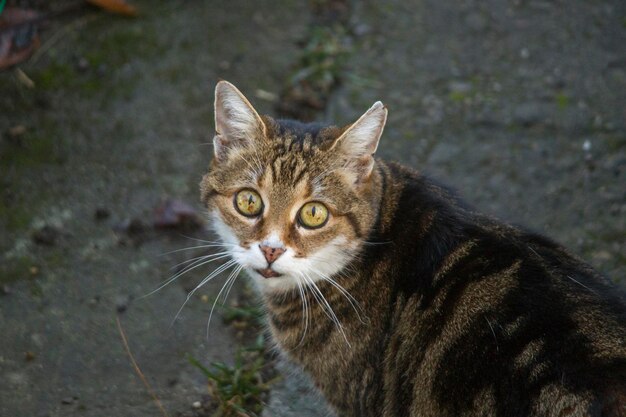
(292, 202)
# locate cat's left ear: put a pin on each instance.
(359, 142)
(237, 124)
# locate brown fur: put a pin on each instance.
(457, 315)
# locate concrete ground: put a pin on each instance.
(518, 105)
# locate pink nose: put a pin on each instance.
(271, 254)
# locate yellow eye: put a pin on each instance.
(313, 215)
(248, 203)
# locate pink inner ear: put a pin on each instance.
(361, 138)
(236, 121)
(362, 167)
(221, 146)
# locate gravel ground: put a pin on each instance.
(518, 105)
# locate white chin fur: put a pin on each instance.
(324, 263)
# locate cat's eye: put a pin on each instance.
(248, 203)
(313, 215)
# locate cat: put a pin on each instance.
(395, 296)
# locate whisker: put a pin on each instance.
(581, 284)
(388, 242)
(494, 334)
(253, 172)
(333, 316)
(196, 262)
(198, 257)
(229, 288)
(223, 245)
(233, 275)
(257, 161)
(324, 173)
(353, 302)
(305, 317)
(207, 241)
(315, 295)
(188, 268)
(204, 281)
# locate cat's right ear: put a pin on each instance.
(237, 124)
(359, 141)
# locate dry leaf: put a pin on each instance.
(115, 6)
(173, 213)
(18, 36)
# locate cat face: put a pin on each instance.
(291, 202)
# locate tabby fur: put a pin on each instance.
(449, 312)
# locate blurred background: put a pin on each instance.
(106, 118)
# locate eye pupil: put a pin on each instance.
(248, 203)
(313, 215)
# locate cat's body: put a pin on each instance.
(464, 316)
(405, 302)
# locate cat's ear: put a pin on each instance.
(358, 142)
(237, 124)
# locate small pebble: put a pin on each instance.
(29, 356)
(196, 404)
(136, 226)
(121, 303)
(530, 113)
(16, 131)
(204, 298)
(524, 53)
(67, 400)
(102, 213)
(47, 236)
(459, 87)
(131, 227)
(33, 270)
(591, 165)
(362, 29)
(82, 64)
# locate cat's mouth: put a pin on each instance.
(268, 273)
